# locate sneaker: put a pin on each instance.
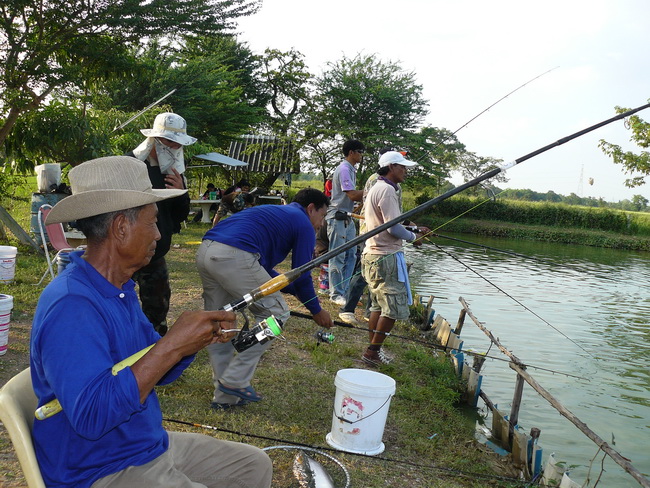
(349, 318)
(375, 358)
(338, 300)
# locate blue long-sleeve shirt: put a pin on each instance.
(82, 327)
(272, 231)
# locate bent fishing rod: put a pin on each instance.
(277, 283)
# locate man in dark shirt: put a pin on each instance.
(162, 152)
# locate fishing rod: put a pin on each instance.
(446, 470)
(124, 124)
(433, 345)
(499, 100)
(277, 283)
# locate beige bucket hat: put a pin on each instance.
(107, 185)
(170, 126)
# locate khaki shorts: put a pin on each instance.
(388, 295)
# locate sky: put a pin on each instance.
(467, 54)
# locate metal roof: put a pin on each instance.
(270, 155)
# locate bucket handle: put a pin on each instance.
(367, 416)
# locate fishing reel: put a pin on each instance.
(263, 332)
(324, 336)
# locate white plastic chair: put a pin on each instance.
(56, 237)
(17, 405)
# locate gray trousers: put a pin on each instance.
(197, 461)
(227, 274)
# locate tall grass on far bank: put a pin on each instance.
(543, 214)
(547, 222)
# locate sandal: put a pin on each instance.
(247, 393)
(227, 406)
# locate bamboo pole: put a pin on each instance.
(494, 340)
(618, 458)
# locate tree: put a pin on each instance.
(632, 163)
(639, 202)
(472, 166)
(48, 46)
(366, 99)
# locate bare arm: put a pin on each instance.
(355, 195)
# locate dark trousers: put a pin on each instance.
(356, 287)
(155, 292)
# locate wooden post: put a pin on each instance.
(461, 321)
(516, 404)
(478, 363)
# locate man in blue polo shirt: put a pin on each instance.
(88, 319)
(237, 256)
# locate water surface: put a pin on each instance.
(593, 321)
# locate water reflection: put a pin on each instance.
(595, 302)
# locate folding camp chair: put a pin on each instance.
(17, 405)
(56, 237)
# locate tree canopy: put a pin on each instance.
(49, 47)
(632, 162)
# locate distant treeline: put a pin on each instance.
(638, 202)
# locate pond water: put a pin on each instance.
(589, 315)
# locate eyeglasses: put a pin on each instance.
(359, 151)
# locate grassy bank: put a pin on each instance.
(559, 223)
(425, 426)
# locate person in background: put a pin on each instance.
(88, 319)
(210, 188)
(162, 152)
(235, 199)
(340, 228)
(382, 262)
(328, 187)
(238, 256)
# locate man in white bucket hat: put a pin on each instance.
(162, 152)
(88, 319)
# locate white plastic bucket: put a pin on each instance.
(7, 263)
(6, 304)
(48, 176)
(360, 410)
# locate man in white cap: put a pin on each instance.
(162, 151)
(88, 319)
(382, 262)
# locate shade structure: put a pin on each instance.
(215, 157)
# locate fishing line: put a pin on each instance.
(483, 111)
(512, 298)
(446, 470)
(433, 345)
